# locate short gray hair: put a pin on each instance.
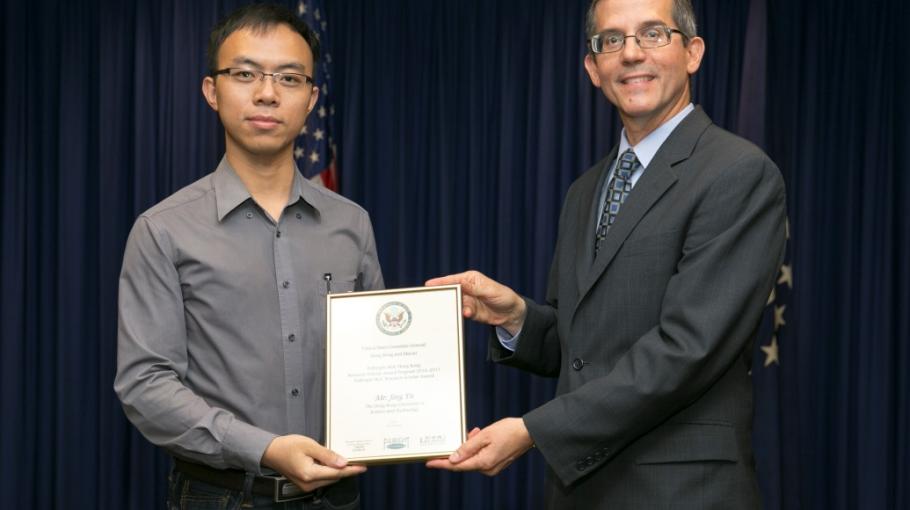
(683, 16)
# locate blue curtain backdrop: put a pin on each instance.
(461, 126)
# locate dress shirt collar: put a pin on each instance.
(230, 191)
(649, 145)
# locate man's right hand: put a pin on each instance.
(486, 300)
(307, 463)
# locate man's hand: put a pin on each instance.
(307, 463)
(486, 300)
(489, 450)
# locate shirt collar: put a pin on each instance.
(230, 191)
(649, 145)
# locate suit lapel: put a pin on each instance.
(657, 179)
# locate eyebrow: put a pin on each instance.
(643, 24)
(252, 63)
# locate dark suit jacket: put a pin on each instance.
(651, 341)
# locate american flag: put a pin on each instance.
(314, 149)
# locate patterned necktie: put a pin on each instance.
(617, 192)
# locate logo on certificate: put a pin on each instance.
(393, 318)
(395, 443)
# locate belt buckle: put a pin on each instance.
(285, 490)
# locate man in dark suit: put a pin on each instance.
(666, 254)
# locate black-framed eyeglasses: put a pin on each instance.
(247, 76)
(654, 36)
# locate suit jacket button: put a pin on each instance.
(578, 363)
(581, 466)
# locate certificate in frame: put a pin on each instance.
(395, 374)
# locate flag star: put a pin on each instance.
(314, 157)
(328, 58)
(332, 109)
(298, 152)
(786, 275)
(779, 317)
(301, 9)
(324, 25)
(771, 352)
(319, 134)
(317, 15)
(772, 297)
(321, 111)
(303, 130)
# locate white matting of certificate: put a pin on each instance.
(394, 374)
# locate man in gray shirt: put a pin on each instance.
(221, 341)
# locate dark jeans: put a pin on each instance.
(185, 493)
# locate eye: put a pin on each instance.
(651, 33)
(612, 39)
(243, 75)
(291, 80)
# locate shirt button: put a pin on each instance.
(278, 234)
(578, 363)
(285, 284)
(249, 214)
(295, 392)
(291, 337)
(299, 216)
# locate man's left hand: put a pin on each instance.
(489, 450)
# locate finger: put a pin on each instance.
(446, 280)
(439, 464)
(473, 432)
(468, 449)
(445, 464)
(317, 472)
(325, 456)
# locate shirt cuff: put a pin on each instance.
(507, 340)
(245, 445)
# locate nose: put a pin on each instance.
(266, 92)
(631, 52)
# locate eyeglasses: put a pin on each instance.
(654, 36)
(247, 76)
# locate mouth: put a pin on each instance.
(263, 121)
(637, 79)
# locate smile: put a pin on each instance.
(632, 80)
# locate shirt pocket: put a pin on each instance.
(339, 284)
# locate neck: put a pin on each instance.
(637, 128)
(268, 178)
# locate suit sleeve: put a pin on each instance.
(732, 251)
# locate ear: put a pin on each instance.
(695, 50)
(208, 91)
(591, 67)
(314, 97)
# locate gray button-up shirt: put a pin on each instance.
(221, 340)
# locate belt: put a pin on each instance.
(278, 488)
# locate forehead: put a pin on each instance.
(270, 46)
(631, 14)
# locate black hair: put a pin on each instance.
(258, 18)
